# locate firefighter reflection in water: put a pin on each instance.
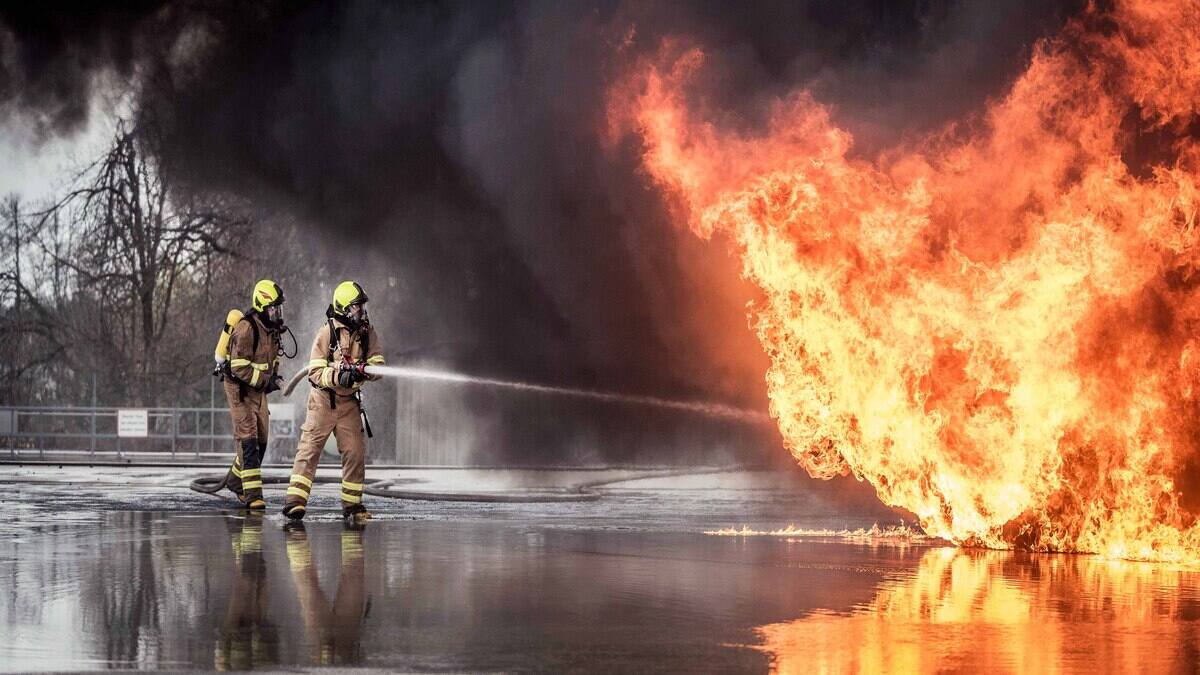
(246, 639)
(334, 631)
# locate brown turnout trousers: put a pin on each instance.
(251, 369)
(251, 422)
(333, 409)
(344, 423)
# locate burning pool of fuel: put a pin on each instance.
(702, 407)
(995, 325)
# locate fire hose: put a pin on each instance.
(587, 491)
(303, 372)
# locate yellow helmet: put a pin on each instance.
(347, 293)
(266, 294)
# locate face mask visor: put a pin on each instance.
(274, 314)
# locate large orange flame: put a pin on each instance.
(996, 326)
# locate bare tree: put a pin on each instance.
(126, 277)
(30, 347)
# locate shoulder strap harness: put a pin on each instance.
(227, 371)
(364, 338)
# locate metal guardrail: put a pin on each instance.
(27, 431)
(416, 423)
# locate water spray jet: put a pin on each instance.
(703, 407)
(708, 408)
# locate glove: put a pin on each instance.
(274, 384)
(350, 373)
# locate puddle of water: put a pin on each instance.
(163, 590)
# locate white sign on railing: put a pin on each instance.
(282, 411)
(133, 423)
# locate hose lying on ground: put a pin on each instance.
(385, 488)
(211, 485)
(580, 492)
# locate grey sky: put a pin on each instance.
(37, 169)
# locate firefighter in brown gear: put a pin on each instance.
(334, 630)
(251, 374)
(344, 346)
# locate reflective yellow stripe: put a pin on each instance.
(251, 484)
(254, 379)
(238, 363)
(250, 473)
(260, 366)
(236, 471)
(353, 499)
(347, 485)
(327, 377)
(318, 363)
(298, 492)
(376, 360)
(297, 478)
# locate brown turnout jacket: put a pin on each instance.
(254, 367)
(322, 370)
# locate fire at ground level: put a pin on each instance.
(124, 567)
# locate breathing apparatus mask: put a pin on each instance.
(273, 316)
(356, 315)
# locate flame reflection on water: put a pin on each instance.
(995, 611)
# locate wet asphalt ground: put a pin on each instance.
(125, 568)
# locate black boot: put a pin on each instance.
(295, 511)
(356, 515)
